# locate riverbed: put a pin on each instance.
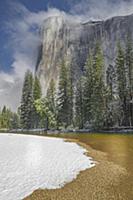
(111, 179)
(30, 162)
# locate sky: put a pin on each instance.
(20, 22)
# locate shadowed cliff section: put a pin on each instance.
(66, 39)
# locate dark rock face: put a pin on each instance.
(63, 39)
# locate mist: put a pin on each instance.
(101, 10)
(24, 38)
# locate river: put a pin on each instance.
(119, 150)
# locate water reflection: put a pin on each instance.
(119, 148)
(33, 154)
(31, 162)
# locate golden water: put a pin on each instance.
(119, 150)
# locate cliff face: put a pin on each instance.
(63, 39)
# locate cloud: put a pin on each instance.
(24, 40)
(24, 30)
(103, 9)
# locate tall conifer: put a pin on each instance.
(26, 108)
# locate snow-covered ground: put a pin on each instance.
(28, 163)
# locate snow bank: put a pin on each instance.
(28, 163)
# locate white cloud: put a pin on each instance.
(103, 9)
(23, 29)
(24, 33)
(8, 90)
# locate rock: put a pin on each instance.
(69, 40)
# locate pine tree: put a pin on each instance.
(111, 80)
(70, 96)
(98, 102)
(79, 105)
(26, 108)
(51, 100)
(64, 97)
(121, 81)
(88, 88)
(5, 118)
(8, 119)
(129, 71)
(36, 95)
(14, 121)
(112, 112)
(42, 107)
(51, 96)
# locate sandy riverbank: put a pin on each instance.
(105, 181)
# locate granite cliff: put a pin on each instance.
(63, 38)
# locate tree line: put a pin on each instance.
(101, 98)
(106, 100)
(9, 119)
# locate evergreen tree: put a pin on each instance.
(95, 103)
(121, 82)
(70, 96)
(5, 117)
(98, 100)
(112, 112)
(51, 96)
(79, 105)
(64, 99)
(129, 71)
(111, 80)
(14, 121)
(88, 88)
(36, 95)
(8, 119)
(51, 100)
(42, 107)
(26, 108)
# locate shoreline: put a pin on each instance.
(103, 181)
(113, 130)
(60, 133)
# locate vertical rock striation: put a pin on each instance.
(69, 40)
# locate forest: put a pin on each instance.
(101, 98)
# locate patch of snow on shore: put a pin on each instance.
(28, 163)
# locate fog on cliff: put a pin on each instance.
(24, 38)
